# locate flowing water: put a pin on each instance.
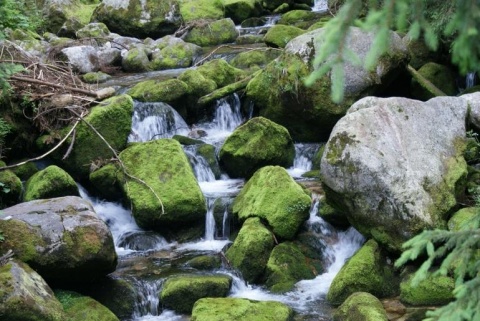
(146, 258)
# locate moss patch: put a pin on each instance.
(80, 308)
(361, 306)
(279, 35)
(274, 196)
(167, 91)
(49, 183)
(212, 33)
(432, 291)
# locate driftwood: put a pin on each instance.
(100, 94)
(6, 257)
(225, 91)
(425, 82)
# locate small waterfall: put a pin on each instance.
(148, 302)
(199, 164)
(154, 121)
(470, 80)
(210, 220)
(227, 114)
(304, 154)
(320, 6)
(308, 295)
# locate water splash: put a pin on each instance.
(200, 166)
(320, 6)
(303, 162)
(154, 121)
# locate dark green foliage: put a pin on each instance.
(411, 16)
(459, 254)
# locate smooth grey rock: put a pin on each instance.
(82, 58)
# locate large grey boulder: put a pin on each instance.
(82, 58)
(25, 296)
(395, 165)
(308, 113)
(139, 18)
(62, 238)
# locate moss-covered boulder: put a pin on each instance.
(366, 271)
(25, 171)
(240, 10)
(221, 72)
(251, 249)
(49, 183)
(139, 18)
(361, 306)
(286, 266)
(79, 308)
(279, 35)
(168, 91)
(65, 17)
(113, 120)
(95, 77)
(212, 33)
(198, 84)
(431, 291)
(205, 262)
(99, 31)
(107, 181)
(233, 309)
(179, 293)
(440, 76)
(192, 10)
(170, 53)
(272, 195)
(62, 238)
(25, 296)
(254, 58)
(170, 196)
(362, 169)
(10, 187)
(135, 60)
(302, 19)
(462, 219)
(308, 112)
(257, 143)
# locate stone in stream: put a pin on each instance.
(48, 183)
(361, 306)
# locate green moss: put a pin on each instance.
(136, 60)
(233, 309)
(221, 72)
(178, 54)
(173, 181)
(432, 291)
(192, 10)
(212, 33)
(82, 12)
(274, 196)
(80, 308)
(251, 249)
(25, 171)
(462, 219)
(286, 266)
(361, 306)
(205, 262)
(440, 76)
(240, 10)
(366, 271)
(279, 35)
(301, 18)
(95, 77)
(181, 292)
(99, 31)
(49, 183)
(444, 193)
(108, 181)
(257, 143)
(198, 84)
(21, 238)
(167, 91)
(252, 58)
(10, 188)
(112, 118)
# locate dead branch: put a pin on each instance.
(45, 83)
(6, 257)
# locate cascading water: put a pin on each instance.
(154, 121)
(470, 80)
(304, 153)
(320, 6)
(141, 252)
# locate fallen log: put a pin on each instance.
(425, 82)
(100, 94)
(225, 91)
